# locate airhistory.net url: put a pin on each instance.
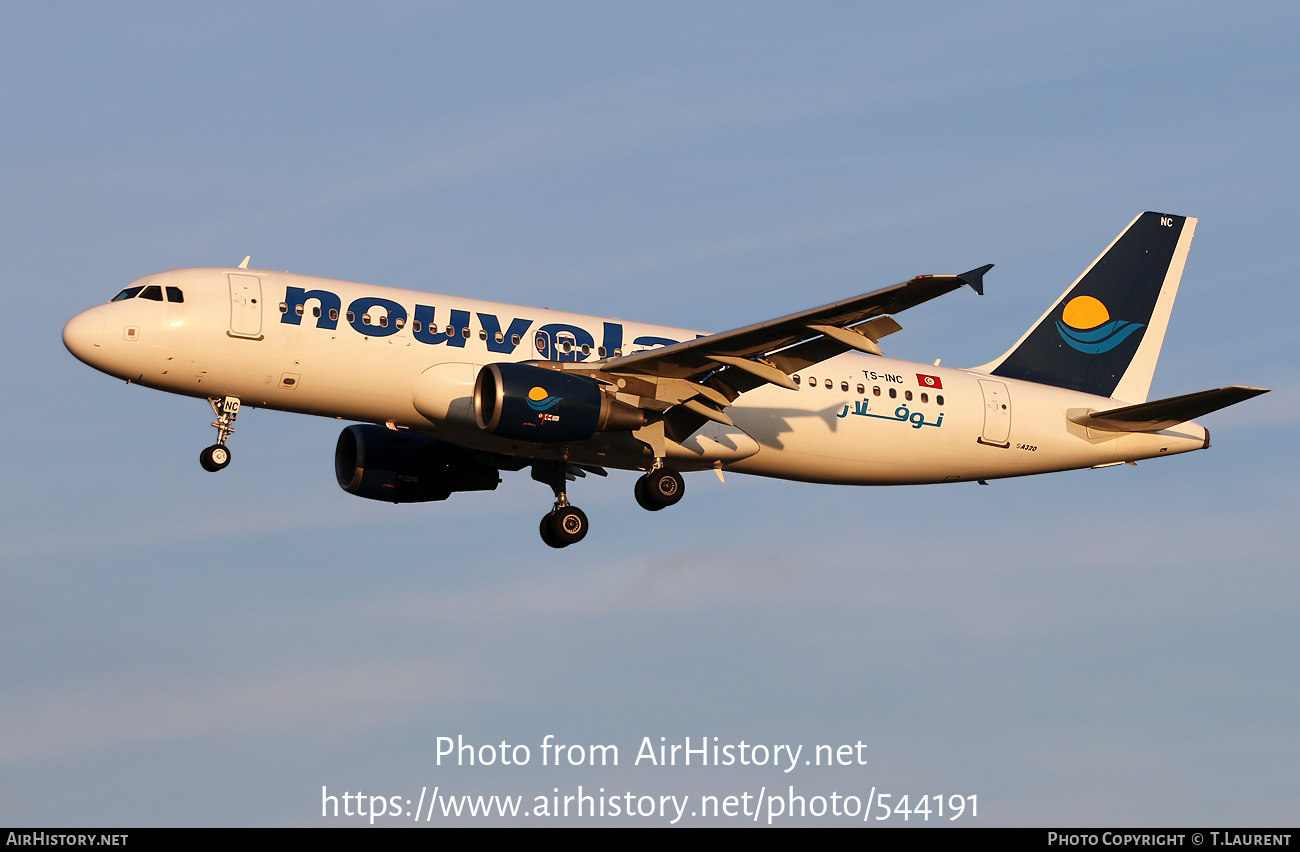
(763, 807)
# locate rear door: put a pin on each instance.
(997, 414)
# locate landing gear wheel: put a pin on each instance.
(214, 458)
(547, 534)
(564, 527)
(659, 488)
(641, 499)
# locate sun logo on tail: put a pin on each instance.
(539, 400)
(1085, 325)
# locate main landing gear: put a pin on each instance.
(659, 489)
(217, 456)
(565, 525)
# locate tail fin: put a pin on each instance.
(1103, 335)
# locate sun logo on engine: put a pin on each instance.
(540, 400)
(1085, 325)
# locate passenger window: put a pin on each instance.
(862, 391)
(352, 317)
(586, 350)
(925, 397)
(829, 384)
(939, 399)
(893, 393)
(796, 380)
(451, 332)
(401, 321)
(316, 312)
(482, 334)
(128, 293)
(334, 314)
(907, 395)
(514, 340)
(174, 294)
(365, 319)
(600, 352)
(153, 292)
(812, 382)
(415, 326)
(465, 332)
(284, 309)
(844, 386)
(297, 309)
(383, 320)
(876, 390)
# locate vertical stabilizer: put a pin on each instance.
(1103, 335)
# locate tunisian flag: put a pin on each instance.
(928, 381)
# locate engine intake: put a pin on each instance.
(534, 404)
(406, 467)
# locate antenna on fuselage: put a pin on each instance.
(244, 265)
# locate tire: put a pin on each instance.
(642, 498)
(547, 532)
(568, 526)
(215, 458)
(664, 487)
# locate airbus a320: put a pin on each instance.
(449, 392)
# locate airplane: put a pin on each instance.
(449, 392)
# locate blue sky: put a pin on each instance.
(1096, 647)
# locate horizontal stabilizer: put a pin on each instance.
(1163, 413)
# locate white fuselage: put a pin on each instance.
(409, 359)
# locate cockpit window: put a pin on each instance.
(153, 291)
(174, 294)
(128, 293)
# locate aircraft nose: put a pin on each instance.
(84, 334)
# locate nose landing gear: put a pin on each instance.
(217, 456)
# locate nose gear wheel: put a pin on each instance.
(214, 458)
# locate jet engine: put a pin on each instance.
(406, 467)
(534, 404)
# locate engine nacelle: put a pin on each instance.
(534, 404)
(406, 467)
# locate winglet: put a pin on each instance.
(244, 265)
(975, 278)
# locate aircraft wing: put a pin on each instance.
(771, 351)
(696, 380)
